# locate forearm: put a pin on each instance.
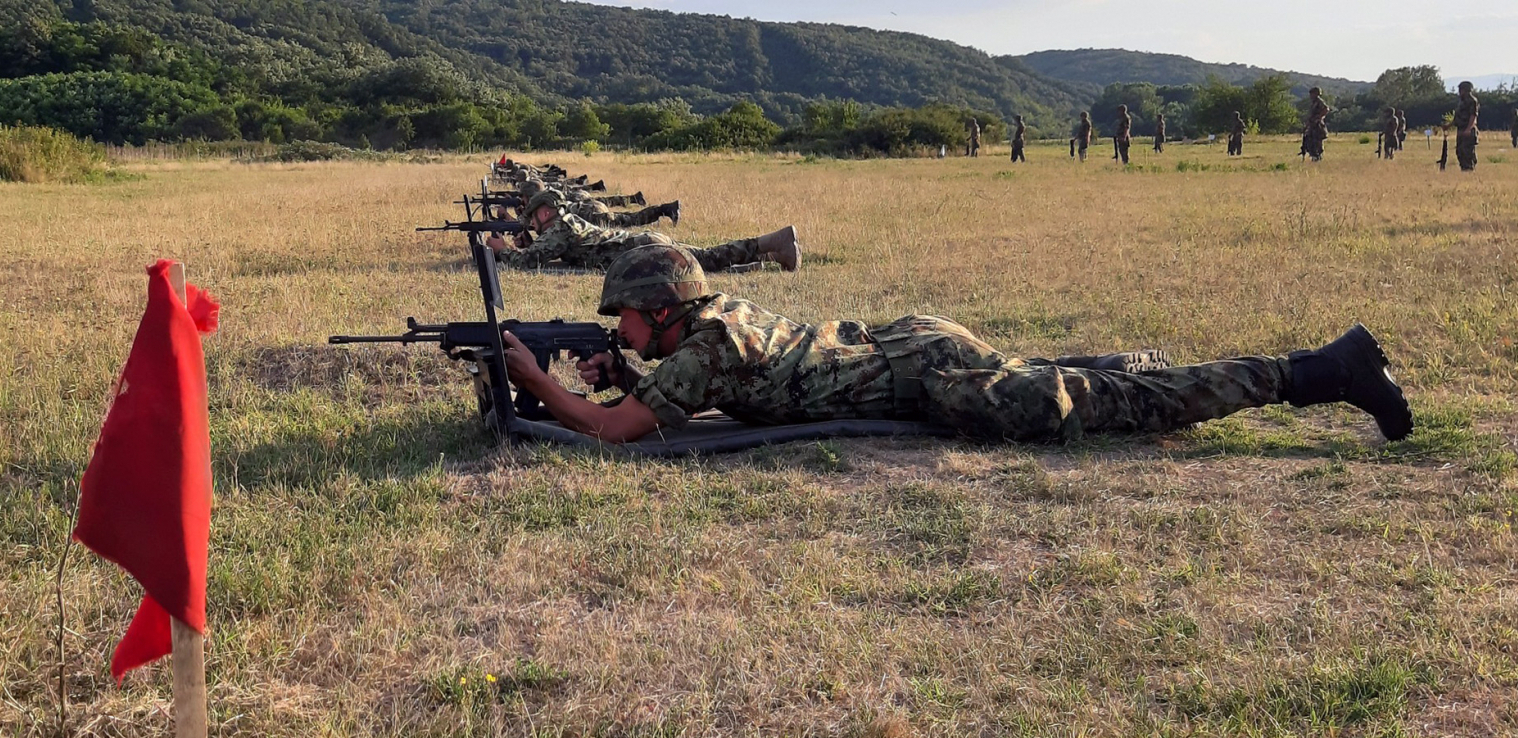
(611, 424)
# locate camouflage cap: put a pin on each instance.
(1466, 85)
(652, 277)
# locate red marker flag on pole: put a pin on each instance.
(145, 501)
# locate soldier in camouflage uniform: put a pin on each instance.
(1123, 136)
(1236, 135)
(1019, 140)
(1467, 135)
(1389, 134)
(597, 212)
(972, 147)
(1083, 134)
(1316, 130)
(1401, 128)
(1513, 128)
(1159, 133)
(572, 241)
(726, 353)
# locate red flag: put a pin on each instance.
(145, 501)
(502, 162)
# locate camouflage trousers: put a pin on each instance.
(715, 259)
(605, 218)
(1017, 151)
(616, 201)
(1159, 144)
(1465, 150)
(944, 374)
(1235, 145)
(1312, 143)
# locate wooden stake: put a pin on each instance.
(189, 682)
(189, 646)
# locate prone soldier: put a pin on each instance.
(756, 366)
(596, 211)
(571, 240)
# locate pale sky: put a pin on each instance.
(1357, 39)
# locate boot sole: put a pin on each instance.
(1148, 361)
(1372, 385)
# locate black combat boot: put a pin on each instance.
(638, 199)
(1352, 369)
(596, 186)
(671, 210)
(1131, 361)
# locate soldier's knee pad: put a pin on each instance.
(1024, 404)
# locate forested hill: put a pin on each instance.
(1103, 67)
(612, 54)
(305, 51)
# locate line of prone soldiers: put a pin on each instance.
(563, 222)
(715, 351)
(1314, 132)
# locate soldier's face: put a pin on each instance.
(636, 332)
(543, 216)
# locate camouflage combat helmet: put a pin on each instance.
(652, 277)
(529, 188)
(545, 197)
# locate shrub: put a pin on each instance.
(38, 154)
(321, 151)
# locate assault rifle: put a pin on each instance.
(1072, 148)
(1444, 156)
(480, 346)
(1379, 144)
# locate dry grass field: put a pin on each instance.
(380, 567)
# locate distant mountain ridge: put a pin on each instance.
(1102, 67)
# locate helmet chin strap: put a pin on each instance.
(657, 328)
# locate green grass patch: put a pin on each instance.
(36, 154)
(1320, 701)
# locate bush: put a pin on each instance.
(37, 154)
(321, 151)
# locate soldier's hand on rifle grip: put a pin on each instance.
(519, 359)
(522, 239)
(600, 372)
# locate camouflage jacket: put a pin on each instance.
(1467, 113)
(1238, 126)
(1317, 115)
(1084, 132)
(1124, 127)
(572, 241)
(1020, 135)
(759, 367)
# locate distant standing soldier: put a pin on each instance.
(973, 147)
(1466, 133)
(1389, 134)
(1513, 129)
(1401, 128)
(1019, 139)
(1159, 133)
(1236, 136)
(1316, 130)
(1083, 134)
(1124, 135)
